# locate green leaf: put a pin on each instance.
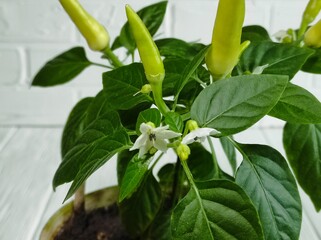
(190, 70)
(266, 178)
(148, 115)
(160, 229)
(134, 175)
(152, 17)
(173, 70)
(302, 144)
(313, 64)
(275, 58)
(230, 152)
(140, 209)
(123, 159)
(75, 125)
(62, 68)
(174, 121)
(234, 104)
(122, 86)
(255, 33)
(200, 163)
(217, 209)
(102, 139)
(297, 105)
(176, 48)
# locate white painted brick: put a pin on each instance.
(286, 15)
(28, 21)
(35, 106)
(10, 66)
(193, 21)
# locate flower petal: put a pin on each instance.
(140, 141)
(167, 134)
(145, 128)
(160, 144)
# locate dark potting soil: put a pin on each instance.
(100, 224)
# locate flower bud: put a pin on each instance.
(95, 34)
(191, 125)
(183, 152)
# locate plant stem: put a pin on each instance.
(216, 166)
(158, 98)
(112, 57)
(100, 65)
(176, 188)
(79, 201)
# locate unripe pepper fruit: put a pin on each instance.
(148, 51)
(311, 11)
(150, 57)
(312, 37)
(226, 47)
(95, 34)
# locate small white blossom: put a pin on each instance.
(153, 137)
(199, 135)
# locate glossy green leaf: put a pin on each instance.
(273, 58)
(152, 17)
(234, 104)
(122, 86)
(266, 178)
(216, 209)
(160, 228)
(102, 139)
(190, 70)
(139, 211)
(255, 33)
(62, 68)
(200, 163)
(123, 159)
(174, 121)
(75, 125)
(302, 144)
(297, 105)
(176, 48)
(134, 175)
(313, 64)
(148, 115)
(230, 152)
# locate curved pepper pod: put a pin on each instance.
(95, 34)
(148, 51)
(312, 37)
(311, 11)
(226, 47)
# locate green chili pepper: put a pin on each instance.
(95, 34)
(148, 51)
(149, 55)
(312, 37)
(311, 11)
(226, 46)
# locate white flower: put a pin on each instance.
(199, 135)
(153, 137)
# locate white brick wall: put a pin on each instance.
(32, 31)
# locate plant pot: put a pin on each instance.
(98, 199)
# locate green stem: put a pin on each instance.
(176, 188)
(216, 166)
(158, 98)
(186, 116)
(112, 57)
(100, 65)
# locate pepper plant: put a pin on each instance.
(180, 96)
